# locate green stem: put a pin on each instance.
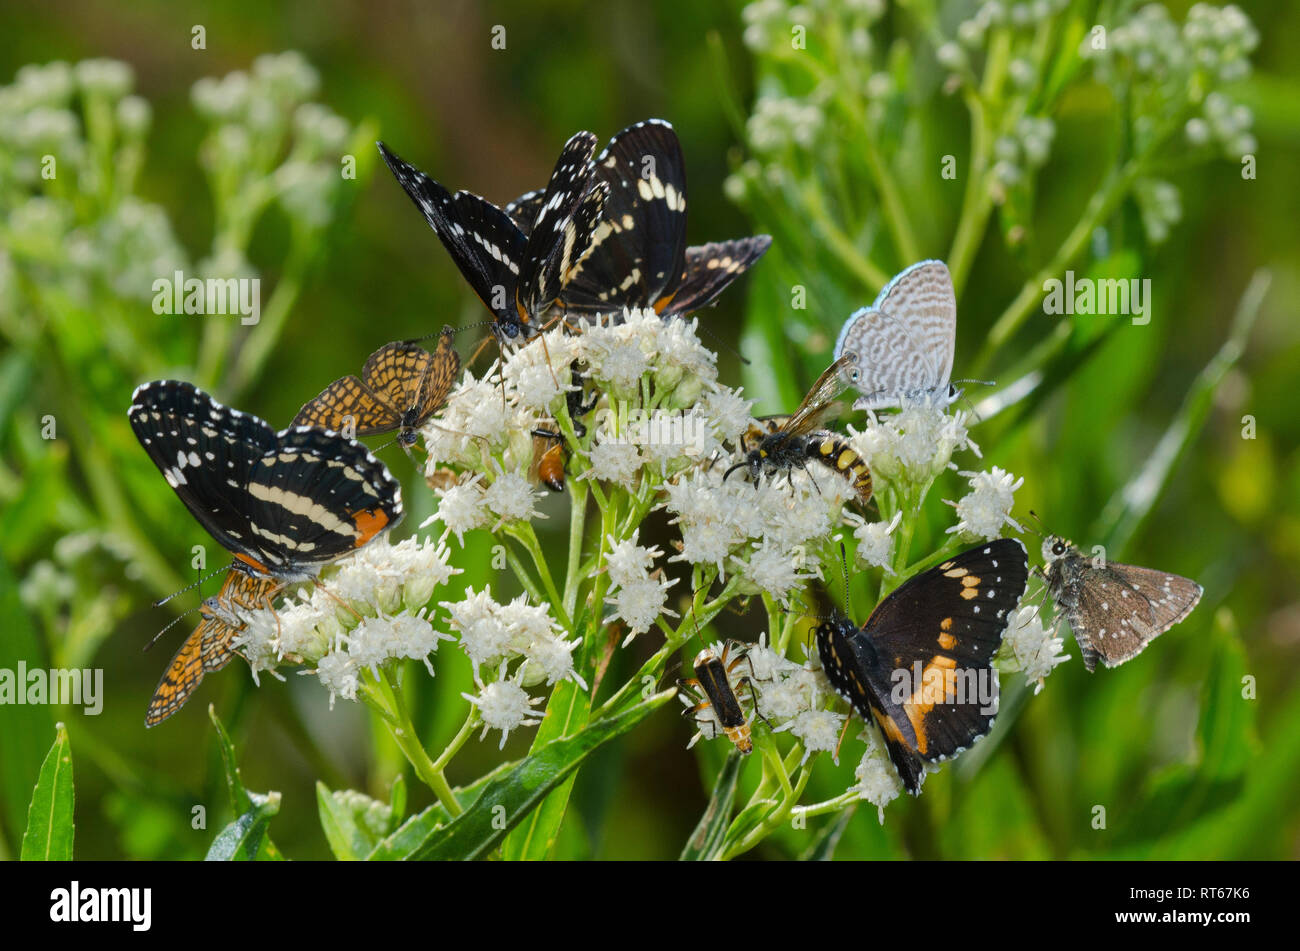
(386, 699)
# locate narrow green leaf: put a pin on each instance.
(23, 726)
(749, 818)
(397, 802)
(242, 840)
(239, 801)
(823, 847)
(408, 836)
(710, 832)
(49, 817)
(567, 711)
(1128, 508)
(512, 796)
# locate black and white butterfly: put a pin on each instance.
(921, 667)
(283, 503)
(1114, 610)
(638, 256)
(517, 274)
(904, 341)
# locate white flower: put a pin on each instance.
(550, 658)
(817, 730)
(785, 699)
(766, 664)
(413, 637)
(461, 508)
(511, 496)
(640, 603)
(338, 674)
(878, 781)
(614, 459)
(1030, 648)
(504, 705)
(775, 571)
(875, 540)
(987, 507)
(913, 445)
(728, 411)
(628, 562)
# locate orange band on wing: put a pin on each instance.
(369, 523)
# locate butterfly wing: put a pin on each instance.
(561, 234)
(1119, 609)
(182, 677)
(710, 269)
(523, 210)
(316, 497)
(483, 242)
(206, 452)
(349, 399)
(925, 654)
(905, 340)
(639, 246)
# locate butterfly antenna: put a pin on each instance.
(171, 624)
(190, 587)
(1040, 533)
(723, 345)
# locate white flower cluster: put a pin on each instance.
(368, 609)
(493, 633)
(877, 780)
(765, 531)
(638, 597)
(487, 424)
(913, 445)
(1029, 648)
(984, 511)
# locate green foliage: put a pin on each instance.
(49, 818)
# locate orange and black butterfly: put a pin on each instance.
(401, 386)
(784, 443)
(209, 648)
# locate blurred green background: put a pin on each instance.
(90, 535)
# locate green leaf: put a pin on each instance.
(408, 836)
(353, 822)
(241, 800)
(568, 710)
(243, 839)
(1128, 508)
(710, 832)
(749, 818)
(23, 726)
(823, 847)
(510, 797)
(49, 817)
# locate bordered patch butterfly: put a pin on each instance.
(284, 504)
(400, 387)
(517, 275)
(1114, 610)
(921, 667)
(784, 443)
(638, 255)
(210, 647)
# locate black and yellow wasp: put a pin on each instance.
(784, 443)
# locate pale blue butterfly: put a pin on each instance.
(904, 341)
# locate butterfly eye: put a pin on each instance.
(1058, 549)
